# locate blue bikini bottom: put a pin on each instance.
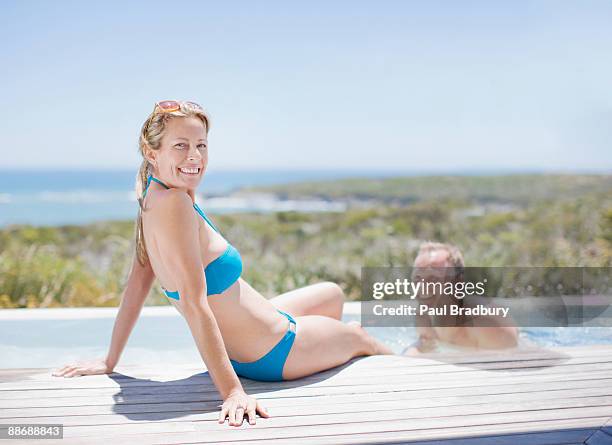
(269, 368)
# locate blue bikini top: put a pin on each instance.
(220, 273)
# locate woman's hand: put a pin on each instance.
(237, 405)
(86, 367)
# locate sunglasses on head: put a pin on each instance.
(168, 106)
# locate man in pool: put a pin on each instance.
(436, 262)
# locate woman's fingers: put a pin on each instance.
(262, 410)
(59, 371)
(84, 367)
(229, 410)
(64, 370)
(223, 414)
(239, 416)
(251, 413)
(232, 414)
(74, 372)
(235, 411)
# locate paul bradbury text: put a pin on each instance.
(453, 310)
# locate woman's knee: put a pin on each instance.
(335, 295)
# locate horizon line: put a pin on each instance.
(421, 171)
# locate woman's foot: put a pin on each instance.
(376, 347)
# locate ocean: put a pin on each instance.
(60, 197)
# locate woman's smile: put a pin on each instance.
(190, 171)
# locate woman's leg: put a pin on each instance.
(317, 299)
(322, 343)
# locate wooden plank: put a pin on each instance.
(599, 438)
(569, 436)
(210, 393)
(409, 388)
(607, 428)
(422, 360)
(382, 361)
(399, 400)
(375, 399)
(406, 367)
(479, 357)
(320, 407)
(514, 368)
(498, 429)
(379, 362)
(443, 436)
(462, 395)
(461, 357)
(499, 365)
(321, 380)
(212, 432)
(328, 419)
(368, 438)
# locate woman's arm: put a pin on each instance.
(137, 288)
(177, 237)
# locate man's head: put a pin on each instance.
(439, 255)
(435, 265)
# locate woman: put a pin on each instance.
(237, 330)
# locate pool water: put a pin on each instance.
(49, 343)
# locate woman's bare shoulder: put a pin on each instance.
(171, 210)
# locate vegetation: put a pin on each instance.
(526, 220)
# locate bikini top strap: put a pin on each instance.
(195, 206)
(157, 180)
(199, 210)
(149, 179)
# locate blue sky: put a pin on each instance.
(429, 85)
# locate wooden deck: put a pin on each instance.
(554, 396)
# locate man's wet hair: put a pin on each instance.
(454, 259)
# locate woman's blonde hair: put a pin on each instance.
(150, 138)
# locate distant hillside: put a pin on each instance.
(509, 189)
(496, 221)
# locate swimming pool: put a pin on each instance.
(47, 338)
